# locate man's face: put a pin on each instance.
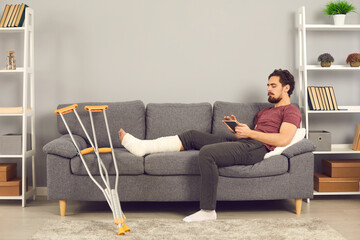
(276, 91)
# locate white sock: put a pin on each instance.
(202, 215)
(141, 147)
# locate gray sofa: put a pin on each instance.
(171, 176)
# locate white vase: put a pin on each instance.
(339, 19)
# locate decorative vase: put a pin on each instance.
(355, 64)
(325, 64)
(339, 19)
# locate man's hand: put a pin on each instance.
(242, 131)
(231, 118)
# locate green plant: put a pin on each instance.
(353, 57)
(325, 57)
(338, 7)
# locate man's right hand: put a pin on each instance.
(232, 118)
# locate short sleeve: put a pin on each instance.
(292, 115)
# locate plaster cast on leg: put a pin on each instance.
(202, 215)
(141, 147)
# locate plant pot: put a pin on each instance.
(355, 64)
(339, 19)
(325, 64)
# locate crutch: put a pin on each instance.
(111, 195)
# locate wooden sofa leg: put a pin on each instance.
(62, 204)
(298, 203)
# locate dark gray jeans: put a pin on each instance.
(215, 152)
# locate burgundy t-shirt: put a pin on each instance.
(270, 119)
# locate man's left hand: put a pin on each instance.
(242, 131)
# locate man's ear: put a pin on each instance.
(287, 88)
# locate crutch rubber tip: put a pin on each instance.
(121, 231)
(126, 228)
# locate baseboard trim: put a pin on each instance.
(41, 191)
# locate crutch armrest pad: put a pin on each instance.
(66, 109)
(64, 147)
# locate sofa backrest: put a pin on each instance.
(167, 119)
(127, 115)
(244, 113)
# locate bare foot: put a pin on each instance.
(122, 133)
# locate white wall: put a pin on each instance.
(163, 51)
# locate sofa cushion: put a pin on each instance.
(272, 166)
(128, 164)
(127, 115)
(186, 163)
(167, 119)
(172, 163)
(244, 113)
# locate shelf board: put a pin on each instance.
(343, 109)
(28, 154)
(14, 111)
(339, 149)
(28, 194)
(17, 70)
(12, 29)
(332, 68)
(335, 193)
(327, 27)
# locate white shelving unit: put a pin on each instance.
(27, 110)
(304, 68)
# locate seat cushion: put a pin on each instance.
(167, 119)
(272, 166)
(128, 164)
(173, 163)
(186, 163)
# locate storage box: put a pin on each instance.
(321, 139)
(11, 188)
(323, 183)
(341, 168)
(10, 144)
(7, 171)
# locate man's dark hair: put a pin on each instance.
(286, 78)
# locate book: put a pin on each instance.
(316, 100)
(328, 95)
(356, 146)
(3, 18)
(318, 94)
(325, 98)
(333, 99)
(8, 16)
(21, 16)
(12, 20)
(311, 99)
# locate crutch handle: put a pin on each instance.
(66, 109)
(105, 150)
(96, 108)
(87, 150)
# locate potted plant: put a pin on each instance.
(326, 59)
(338, 10)
(353, 59)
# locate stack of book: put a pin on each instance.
(13, 15)
(322, 98)
(356, 142)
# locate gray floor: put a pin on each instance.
(340, 212)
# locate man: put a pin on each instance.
(274, 127)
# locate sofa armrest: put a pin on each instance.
(303, 146)
(64, 147)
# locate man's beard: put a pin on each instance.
(274, 100)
